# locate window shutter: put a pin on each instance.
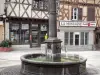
(80, 13)
(91, 14)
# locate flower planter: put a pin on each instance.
(5, 49)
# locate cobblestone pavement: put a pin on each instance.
(13, 58)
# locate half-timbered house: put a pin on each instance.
(2, 20)
(78, 20)
(26, 22)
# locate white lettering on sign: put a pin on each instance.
(78, 23)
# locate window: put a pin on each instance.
(35, 4)
(39, 4)
(69, 38)
(43, 28)
(14, 32)
(66, 38)
(25, 33)
(77, 13)
(19, 33)
(76, 39)
(84, 38)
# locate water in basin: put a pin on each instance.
(67, 58)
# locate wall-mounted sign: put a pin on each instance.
(78, 23)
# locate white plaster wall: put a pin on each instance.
(7, 30)
(2, 6)
(60, 35)
(20, 10)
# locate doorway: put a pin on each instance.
(76, 38)
(35, 35)
(34, 38)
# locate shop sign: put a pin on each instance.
(78, 23)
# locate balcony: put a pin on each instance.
(77, 23)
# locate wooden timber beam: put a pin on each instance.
(79, 3)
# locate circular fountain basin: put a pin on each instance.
(71, 64)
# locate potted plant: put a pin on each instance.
(5, 45)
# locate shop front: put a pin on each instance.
(77, 35)
(27, 32)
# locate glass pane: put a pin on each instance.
(71, 41)
(43, 29)
(41, 4)
(15, 32)
(42, 36)
(74, 17)
(35, 4)
(45, 5)
(66, 38)
(75, 13)
(86, 38)
(34, 36)
(25, 33)
(66, 35)
(66, 41)
(75, 9)
(71, 38)
(76, 39)
(82, 38)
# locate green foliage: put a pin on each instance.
(5, 43)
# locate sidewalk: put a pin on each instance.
(13, 58)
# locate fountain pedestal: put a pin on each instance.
(53, 49)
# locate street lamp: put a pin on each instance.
(5, 16)
(4, 22)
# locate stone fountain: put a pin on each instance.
(52, 62)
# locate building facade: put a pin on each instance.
(26, 22)
(78, 20)
(1, 20)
